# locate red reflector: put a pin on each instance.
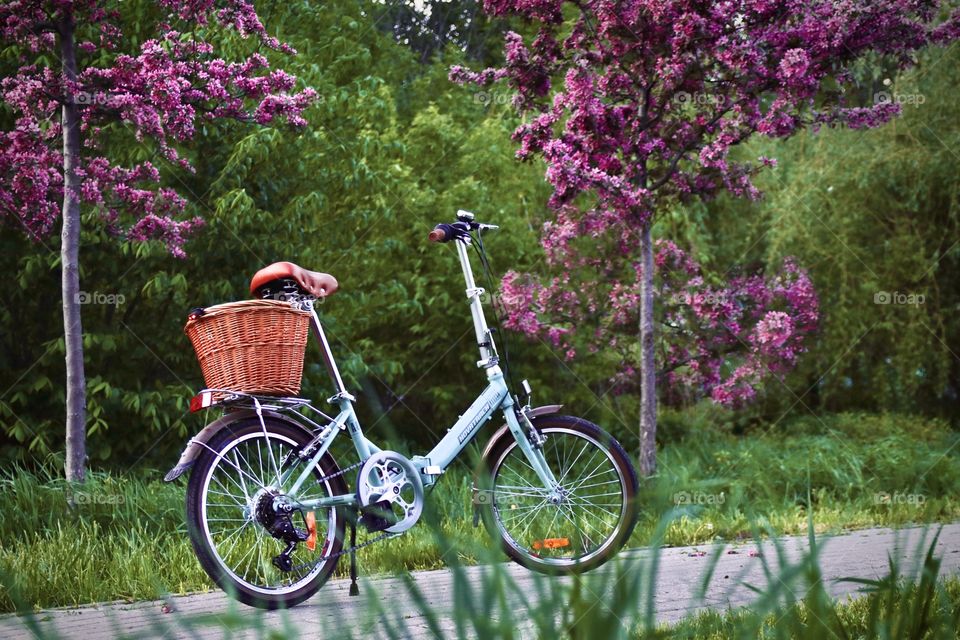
(201, 401)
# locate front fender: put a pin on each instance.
(533, 413)
(195, 445)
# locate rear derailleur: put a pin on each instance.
(276, 516)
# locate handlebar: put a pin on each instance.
(446, 232)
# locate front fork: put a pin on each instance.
(530, 442)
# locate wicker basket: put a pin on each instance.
(254, 346)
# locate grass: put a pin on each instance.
(861, 470)
(909, 602)
(893, 613)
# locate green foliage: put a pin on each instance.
(354, 194)
(853, 469)
(869, 213)
(792, 601)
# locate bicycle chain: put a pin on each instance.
(343, 552)
(352, 549)
(341, 472)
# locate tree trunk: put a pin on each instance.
(76, 454)
(648, 375)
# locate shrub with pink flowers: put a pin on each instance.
(721, 341)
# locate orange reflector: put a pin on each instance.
(312, 529)
(551, 543)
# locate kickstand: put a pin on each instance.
(354, 589)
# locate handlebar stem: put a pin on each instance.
(488, 350)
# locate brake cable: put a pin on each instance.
(488, 273)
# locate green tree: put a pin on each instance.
(388, 153)
(872, 214)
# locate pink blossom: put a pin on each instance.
(160, 93)
(794, 68)
(753, 327)
(646, 102)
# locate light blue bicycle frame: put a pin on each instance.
(495, 397)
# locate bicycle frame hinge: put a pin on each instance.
(343, 395)
(492, 361)
(428, 472)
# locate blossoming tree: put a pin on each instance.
(635, 106)
(80, 86)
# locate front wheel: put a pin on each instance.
(571, 528)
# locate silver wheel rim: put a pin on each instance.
(229, 529)
(590, 518)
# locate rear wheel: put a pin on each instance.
(575, 527)
(230, 514)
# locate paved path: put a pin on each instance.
(682, 570)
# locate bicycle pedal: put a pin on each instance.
(374, 524)
(377, 516)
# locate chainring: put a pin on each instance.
(388, 477)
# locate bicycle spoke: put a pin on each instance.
(243, 484)
(227, 489)
(567, 512)
(572, 522)
(563, 477)
(596, 484)
(591, 476)
(237, 483)
(260, 462)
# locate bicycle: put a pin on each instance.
(267, 504)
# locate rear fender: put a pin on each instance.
(196, 443)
